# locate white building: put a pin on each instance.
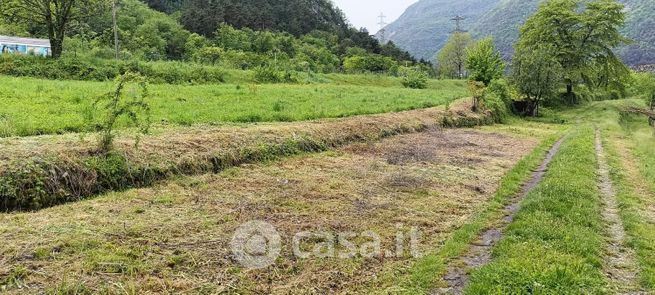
(24, 46)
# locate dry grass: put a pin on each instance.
(178, 143)
(173, 237)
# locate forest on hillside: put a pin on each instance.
(275, 36)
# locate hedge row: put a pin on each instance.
(70, 68)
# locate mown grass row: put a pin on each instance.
(427, 271)
(33, 107)
(32, 184)
(555, 244)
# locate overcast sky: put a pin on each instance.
(364, 13)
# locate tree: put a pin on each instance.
(582, 37)
(451, 60)
(484, 62)
(485, 65)
(54, 15)
(536, 74)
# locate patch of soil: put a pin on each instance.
(620, 264)
(479, 253)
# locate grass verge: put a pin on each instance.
(554, 245)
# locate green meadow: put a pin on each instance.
(34, 106)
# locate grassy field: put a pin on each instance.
(173, 237)
(557, 243)
(424, 274)
(32, 106)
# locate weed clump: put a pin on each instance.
(127, 100)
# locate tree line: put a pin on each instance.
(291, 35)
(566, 49)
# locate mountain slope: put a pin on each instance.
(504, 22)
(425, 26)
(502, 19)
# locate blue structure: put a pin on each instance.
(19, 45)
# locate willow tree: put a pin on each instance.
(582, 35)
(54, 15)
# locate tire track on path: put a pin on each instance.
(619, 260)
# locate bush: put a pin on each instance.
(502, 89)
(118, 104)
(498, 107)
(268, 74)
(371, 63)
(413, 78)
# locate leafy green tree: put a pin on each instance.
(536, 74)
(54, 15)
(485, 65)
(451, 60)
(484, 62)
(193, 44)
(582, 36)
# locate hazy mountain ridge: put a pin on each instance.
(424, 27)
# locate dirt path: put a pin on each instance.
(479, 254)
(620, 266)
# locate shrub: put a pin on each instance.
(128, 100)
(413, 78)
(371, 63)
(268, 74)
(497, 106)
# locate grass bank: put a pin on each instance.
(555, 244)
(38, 172)
(636, 204)
(33, 106)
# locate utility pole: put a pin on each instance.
(383, 31)
(457, 19)
(113, 13)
